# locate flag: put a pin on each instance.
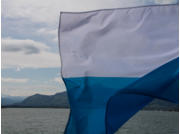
(116, 61)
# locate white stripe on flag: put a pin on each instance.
(118, 43)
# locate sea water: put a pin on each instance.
(53, 121)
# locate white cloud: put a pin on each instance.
(55, 39)
(18, 69)
(59, 80)
(26, 89)
(48, 11)
(36, 11)
(14, 80)
(27, 46)
(45, 31)
(27, 54)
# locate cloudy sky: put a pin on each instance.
(30, 58)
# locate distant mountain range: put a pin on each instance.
(9, 100)
(59, 100)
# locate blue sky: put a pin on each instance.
(30, 55)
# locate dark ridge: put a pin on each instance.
(60, 100)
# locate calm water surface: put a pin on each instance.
(53, 121)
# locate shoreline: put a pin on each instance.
(5, 107)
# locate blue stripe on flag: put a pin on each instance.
(101, 105)
(161, 83)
